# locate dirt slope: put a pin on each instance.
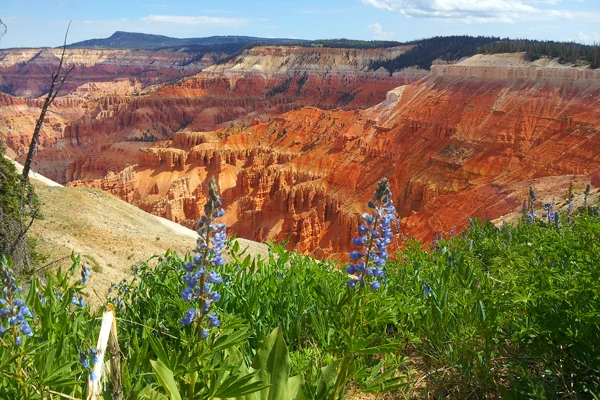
(108, 233)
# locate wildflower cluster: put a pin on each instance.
(199, 277)
(529, 207)
(374, 236)
(549, 212)
(78, 301)
(13, 311)
(85, 274)
(84, 359)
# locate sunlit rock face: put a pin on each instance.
(464, 141)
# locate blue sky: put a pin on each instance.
(36, 23)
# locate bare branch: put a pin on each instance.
(55, 87)
(3, 28)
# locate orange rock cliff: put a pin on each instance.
(463, 141)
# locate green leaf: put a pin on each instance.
(273, 364)
(166, 379)
(150, 393)
(382, 349)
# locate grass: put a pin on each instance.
(108, 230)
(511, 312)
(495, 312)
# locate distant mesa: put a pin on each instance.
(132, 40)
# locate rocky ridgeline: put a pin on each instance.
(26, 72)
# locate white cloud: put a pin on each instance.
(200, 20)
(592, 37)
(378, 32)
(474, 11)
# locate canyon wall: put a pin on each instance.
(297, 159)
(27, 72)
(452, 148)
(211, 99)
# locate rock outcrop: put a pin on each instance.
(452, 148)
(26, 72)
(459, 143)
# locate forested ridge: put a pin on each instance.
(453, 48)
(566, 53)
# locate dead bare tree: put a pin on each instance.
(18, 216)
(3, 28)
(55, 87)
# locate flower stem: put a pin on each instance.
(341, 379)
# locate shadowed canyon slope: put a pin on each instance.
(466, 140)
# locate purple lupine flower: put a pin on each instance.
(13, 311)
(187, 293)
(188, 317)
(213, 277)
(189, 267)
(85, 274)
(204, 333)
(426, 289)
(199, 277)
(375, 234)
(213, 320)
(355, 255)
(550, 212)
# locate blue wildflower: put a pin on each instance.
(204, 333)
(375, 235)
(13, 311)
(351, 269)
(209, 254)
(188, 317)
(215, 278)
(213, 320)
(426, 289)
(85, 273)
(550, 212)
(187, 293)
(26, 329)
(189, 267)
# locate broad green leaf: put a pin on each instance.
(166, 379)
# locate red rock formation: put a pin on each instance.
(230, 95)
(453, 146)
(26, 72)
